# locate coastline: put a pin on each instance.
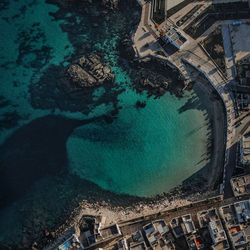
(116, 213)
(218, 119)
(140, 208)
(175, 198)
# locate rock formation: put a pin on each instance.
(126, 48)
(89, 72)
(110, 4)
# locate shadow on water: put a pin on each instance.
(32, 152)
(54, 91)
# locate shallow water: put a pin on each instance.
(143, 152)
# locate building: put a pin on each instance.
(210, 219)
(155, 232)
(242, 210)
(218, 235)
(182, 225)
(240, 185)
(94, 235)
(245, 149)
(139, 246)
(137, 242)
(236, 217)
(122, 244)
(194, 241)
(175, 38)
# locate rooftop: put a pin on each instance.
(206, 216)
(235, 229)
(241, 47)
(176, 36)
(154, 232)
(242, 210)
(241, 185)
(194, 241)
(182, 225)
(110, 231)
(209, 218)
(138, 246)
(246, 148)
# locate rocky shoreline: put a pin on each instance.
(156, 78)
(109, 5)
(117, 213)
(89, 72)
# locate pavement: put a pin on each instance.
(232, 157)
(229, 59)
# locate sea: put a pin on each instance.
(52, 153)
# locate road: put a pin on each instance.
(229, 60)
(228, 192)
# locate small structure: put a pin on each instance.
(155, 232)
(92, 234)
(137, 241)
(234, 217)
(139, 246)
(241, 185)
(175, 38)
(194, 241)
(218, 235)
(242, 210)
(122, 244)
(182, 225)
(245, 149)
(210, 219)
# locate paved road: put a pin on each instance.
(228, 192)
(229, 60)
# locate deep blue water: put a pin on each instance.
(52, 154)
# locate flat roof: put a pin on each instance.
(241, 185)
(241, 47)
(176, 36)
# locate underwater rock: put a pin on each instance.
(110, 4)
(140, 104)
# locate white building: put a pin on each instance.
(175, 38)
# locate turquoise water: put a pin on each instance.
(56, 161)
(143, 152)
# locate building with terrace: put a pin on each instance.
(210, 219)
(155, 232)
(234, 228)
(241, 185)
(194, 241)
(182, 225)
